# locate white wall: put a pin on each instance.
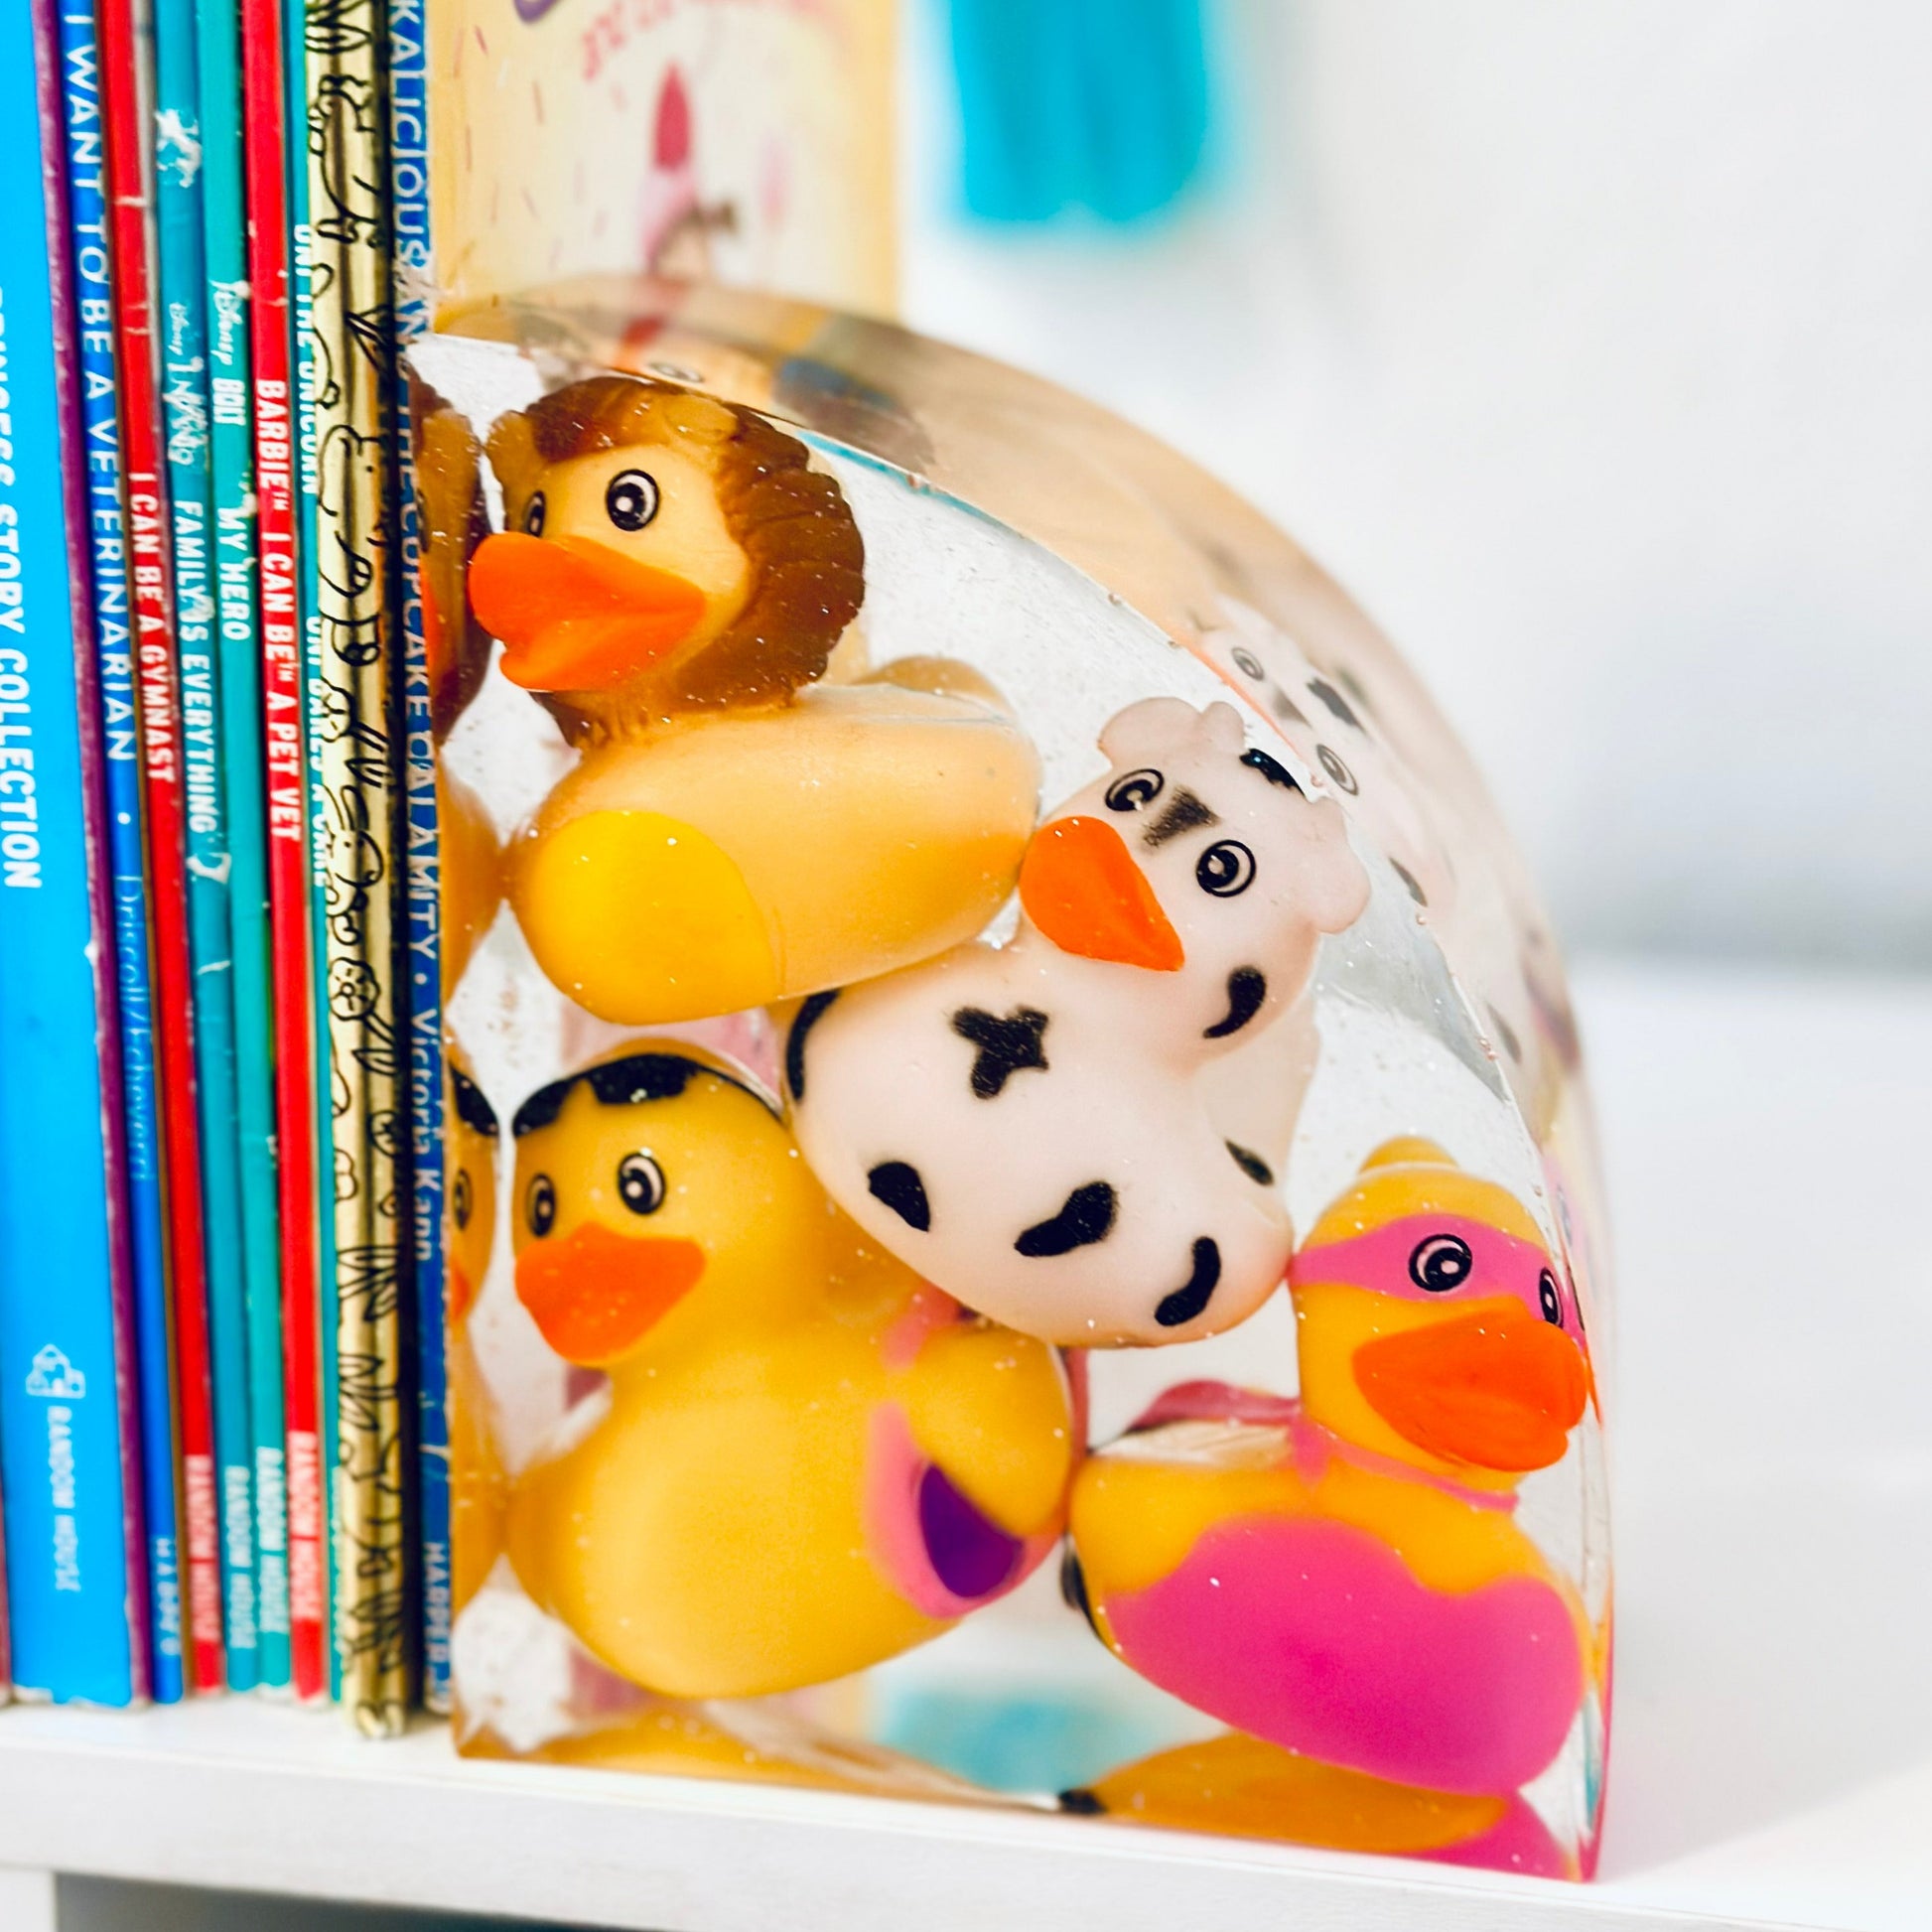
(1590, 342)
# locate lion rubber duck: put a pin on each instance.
(806, 1459)
(673, 582)
(1342, 1575)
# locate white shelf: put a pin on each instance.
(1768, 1146)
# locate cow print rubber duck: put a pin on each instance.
(1023, 1123)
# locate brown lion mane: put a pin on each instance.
(792, 521)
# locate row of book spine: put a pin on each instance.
(221, 1435)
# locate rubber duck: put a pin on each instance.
(736, 831)
(1025, 1124)
(806, 1459)
(1341, 1574)
(479, 1486)
(1239, 1786)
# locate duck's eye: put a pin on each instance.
(632, 500)
(1227, 868)
(1135, 791)
(541, 1205)
(640, 1180)
(1339, 772)
(533, 515)
(462, 1200)
(1440, 1263)
(1546, 1290)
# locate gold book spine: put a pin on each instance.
(352, 321)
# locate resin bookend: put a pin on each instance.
(1021, 1218)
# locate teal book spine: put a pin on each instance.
(184, 396)
(236, 566)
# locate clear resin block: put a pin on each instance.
(1021, 1222)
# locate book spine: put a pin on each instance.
(74, 1599)
(179, 170)
(351, 324)
(267, 162)
(123, 73)
(414, 270)
(113, 645)
(314, 700)
(231, 458)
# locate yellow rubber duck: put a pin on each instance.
(673, 581)
(1235, 1785)
(808, 1460)
(1342, 1575)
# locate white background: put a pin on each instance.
(1589, 342)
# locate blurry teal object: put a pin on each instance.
(1019, 1743)
(1100, 104)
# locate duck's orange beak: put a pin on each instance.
(458, 1293)
(1493, 1387)
(595, 1294)
(574, 614)
(1080, 886)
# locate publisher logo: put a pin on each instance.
(55, 1377)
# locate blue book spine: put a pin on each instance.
(231, 463)
(307, 373)
(409, 211)
(100, 429)
(71, 1587)
(178, 171)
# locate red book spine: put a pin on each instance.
(266, 165)
(125, 112)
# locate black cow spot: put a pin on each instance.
(1186, 1302)
(1182, 814)
(1252, 1164)
(1320, 687)
(1409, 880)
(897, 1184)
(1005, 1046)
(1285, 707)
(1085, 1216)
(1273, 770)
(809, 1016)
(1247, 989)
